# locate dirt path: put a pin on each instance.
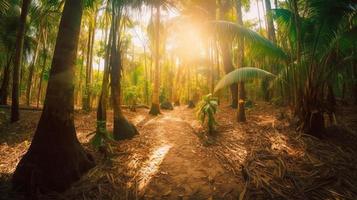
(179, 167)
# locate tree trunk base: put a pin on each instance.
(191, 104)
(3, 100)
(234, 104)
(241, 112)
(123, 129)
(155, 109)
(315, 124)
(166, 105)
(51, 164)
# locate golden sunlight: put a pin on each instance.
(151, 167)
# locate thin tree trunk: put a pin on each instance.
(103, 99)
(5, 82)
(270, 22)
(155, 108)
(55, 158)
(41, 77)
(259, 17)
(15, 115)
(146, 78)
(228, 63)
(91, 58)
(31, 72)
(86, 95)
(240, 58)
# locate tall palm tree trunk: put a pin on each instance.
(103, 99)
(270, 22)
(155, 107)
(88, 79)
(226, 50)
(31, 72)
(15, 115)
(122, 129)
(55, 158)
(41, 76)
(240, 59)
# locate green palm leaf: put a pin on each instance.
(259, 44)
(4, 6)
(242, 74)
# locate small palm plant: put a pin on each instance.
(206, 110)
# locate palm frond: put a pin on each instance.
(4, 6)
(260, 44)
(242, 74)
(285, 18)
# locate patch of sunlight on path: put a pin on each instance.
(151, 166)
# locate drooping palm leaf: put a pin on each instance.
(242, 74)
(4, 6)
(260, 44)
(285, 19)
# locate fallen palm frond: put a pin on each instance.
(278, 163)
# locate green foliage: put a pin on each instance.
(206, 109)
(163, 97)
(242, 74)
(4, 5)
(131, 95)
(260, 45)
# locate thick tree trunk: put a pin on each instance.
(122, 129)
(15, 115)
(5, 83)
(31, 72)
(55, 158)
(155, 107)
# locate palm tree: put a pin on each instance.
(240, 76)
(320, 43)
(15, 115)
(101, 132)
(92, 21)
(270, 22)
(157, 4)
(9, 23)
(240, 62)
(155, 104)
(225, 46)
(32, 69)
(261, 46)
(123, 129)
(55, 158)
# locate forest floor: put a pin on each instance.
(174, 158)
